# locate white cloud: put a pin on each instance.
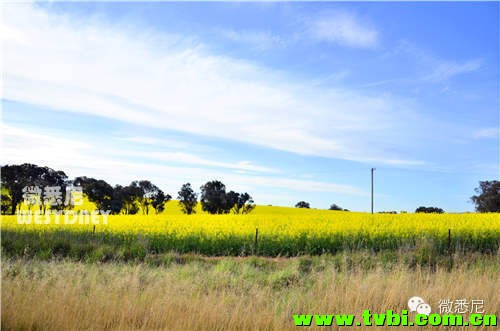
(344, 29)
(338, 27)
(76, 158)
(446, 70)
(22, 145)
(170, 143)
(143, 77)
(435, 68)
(142, 140)
(187, 158)
(261, 40)
(488, 133)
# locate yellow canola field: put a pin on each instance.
(281, 231)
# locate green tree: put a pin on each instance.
(150, 195)
(245, 204)
(429, 210)
(187, 199)
(302, 204)
(96, 190)
(159, 201)
(16, 177)
(487, 199)
(129, 196)
(213, 197)
(6, 201)
(335, 207)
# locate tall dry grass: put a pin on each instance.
(223, 294)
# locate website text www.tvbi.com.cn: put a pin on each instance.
(460, 312)
(389, 318)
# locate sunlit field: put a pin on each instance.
(268, 231)
(249, 272)
(210, 166)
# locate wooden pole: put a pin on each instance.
(450, 264)
(449, 241)
(256, 243)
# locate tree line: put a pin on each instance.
(144, 195)
(138, 195)
(486, 200)
(307, 205)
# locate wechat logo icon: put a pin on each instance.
(418, 304)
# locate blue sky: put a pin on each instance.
(288, 101)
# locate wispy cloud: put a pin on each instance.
(446, 70)
(23, 145)
(260, 40)
(337, 27)
(187, 158)
(343, 28)
(162, 142)
(434, 69)
(128, 74)
(488, 133)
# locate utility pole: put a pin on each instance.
(373, 169)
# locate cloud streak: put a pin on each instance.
(260, 40)
(487, 133)
(436, 69)
(344, 29)
(77, 158)
(163, 81)
(447, 70)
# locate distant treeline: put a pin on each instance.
(143, 195)
(19, 180)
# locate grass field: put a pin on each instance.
(196, 293)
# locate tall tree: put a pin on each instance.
(213, 197)
(245, 203)
(232, 199)
(159, 200)
(187, 199)
(15, 178)
(148, 194)
(487, 199)
(96, 190)
(240, 203)
(6, 201)
(130, 196)
(116, 201)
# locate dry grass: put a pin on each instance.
(222, 294)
